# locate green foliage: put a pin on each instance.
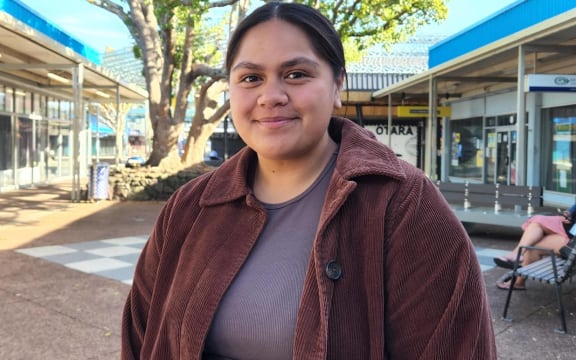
(210, 42)
(384, 22)
(198, 20)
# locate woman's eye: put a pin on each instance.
(296, 75)
(250, 78)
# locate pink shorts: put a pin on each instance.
(552, 223)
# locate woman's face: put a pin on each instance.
(281, 93)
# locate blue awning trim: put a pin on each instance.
(98, 127)
(23, 13)
(518, 16)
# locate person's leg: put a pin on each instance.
(533, 234)
(552, 241)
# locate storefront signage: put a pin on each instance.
(404, 140)
(421, 111)
(550, 82)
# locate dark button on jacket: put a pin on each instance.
(333, 270)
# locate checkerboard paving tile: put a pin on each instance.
(486, 257)
(116, 258)
(111, 258)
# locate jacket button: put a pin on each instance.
(333, 270)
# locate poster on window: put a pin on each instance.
(404, 140)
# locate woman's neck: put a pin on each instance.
(277, 181)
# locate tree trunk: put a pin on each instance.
(119, 145)
(165, 141)
(196, 144)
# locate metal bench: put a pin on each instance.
(493, 204)
(496, 196)
(552, 270)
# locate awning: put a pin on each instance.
(98, 128)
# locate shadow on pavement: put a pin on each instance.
(50, 311)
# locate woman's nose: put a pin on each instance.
(272, 94)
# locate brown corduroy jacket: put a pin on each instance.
(393, 274)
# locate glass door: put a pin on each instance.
(490, 157)
(505, 164)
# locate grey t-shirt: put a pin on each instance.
(257, 316)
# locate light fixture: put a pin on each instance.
(17, 92)
(58, 78)
(102, 94)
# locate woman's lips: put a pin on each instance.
(275, 122)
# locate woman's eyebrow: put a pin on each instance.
(287, 64)
(300, 61)
(247, 65)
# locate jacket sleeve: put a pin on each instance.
(436, 307)
(136, 308)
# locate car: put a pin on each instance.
(135, 161)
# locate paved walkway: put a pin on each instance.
(66, 269)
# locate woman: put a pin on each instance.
(313, 242)
(548, 232)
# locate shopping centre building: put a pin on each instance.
(47, 81)
(498, 102)
(496, 105)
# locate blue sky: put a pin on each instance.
(98, 28)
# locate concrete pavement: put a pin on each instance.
(55, 306)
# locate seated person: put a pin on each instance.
(546, 231)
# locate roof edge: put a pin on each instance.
(24, 14)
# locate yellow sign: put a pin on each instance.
(421, 111)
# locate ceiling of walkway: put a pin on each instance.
(493, 68)
(32, 61)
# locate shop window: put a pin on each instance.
(562, 161)
(24, 141)
(66, 110)
(36, 104)
(506, 120)
(42, 105)
(5, 143)
(21, 102)
(9, 99)
(466, 149)
(53, 108)
(2, 99)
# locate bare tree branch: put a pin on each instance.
(111, 7)
(217, 4)
(205, 70)
(220, 113)
(117, 10)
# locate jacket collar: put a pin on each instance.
(360, 154)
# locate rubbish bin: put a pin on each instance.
(98, 189)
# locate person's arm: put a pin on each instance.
(571, 211)
(135, 314)
(437, 305)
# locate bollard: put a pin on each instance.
(530, 209)
(497, 206)
(466, 194)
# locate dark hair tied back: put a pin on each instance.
(321, 33)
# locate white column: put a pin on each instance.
(431, 132)
(521, 122)
(78, 120)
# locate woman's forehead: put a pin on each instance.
(275, 40)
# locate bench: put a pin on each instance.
(493, 204)
(552, 270)
(496, 196)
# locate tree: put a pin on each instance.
(181, 47)
(114, 116)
